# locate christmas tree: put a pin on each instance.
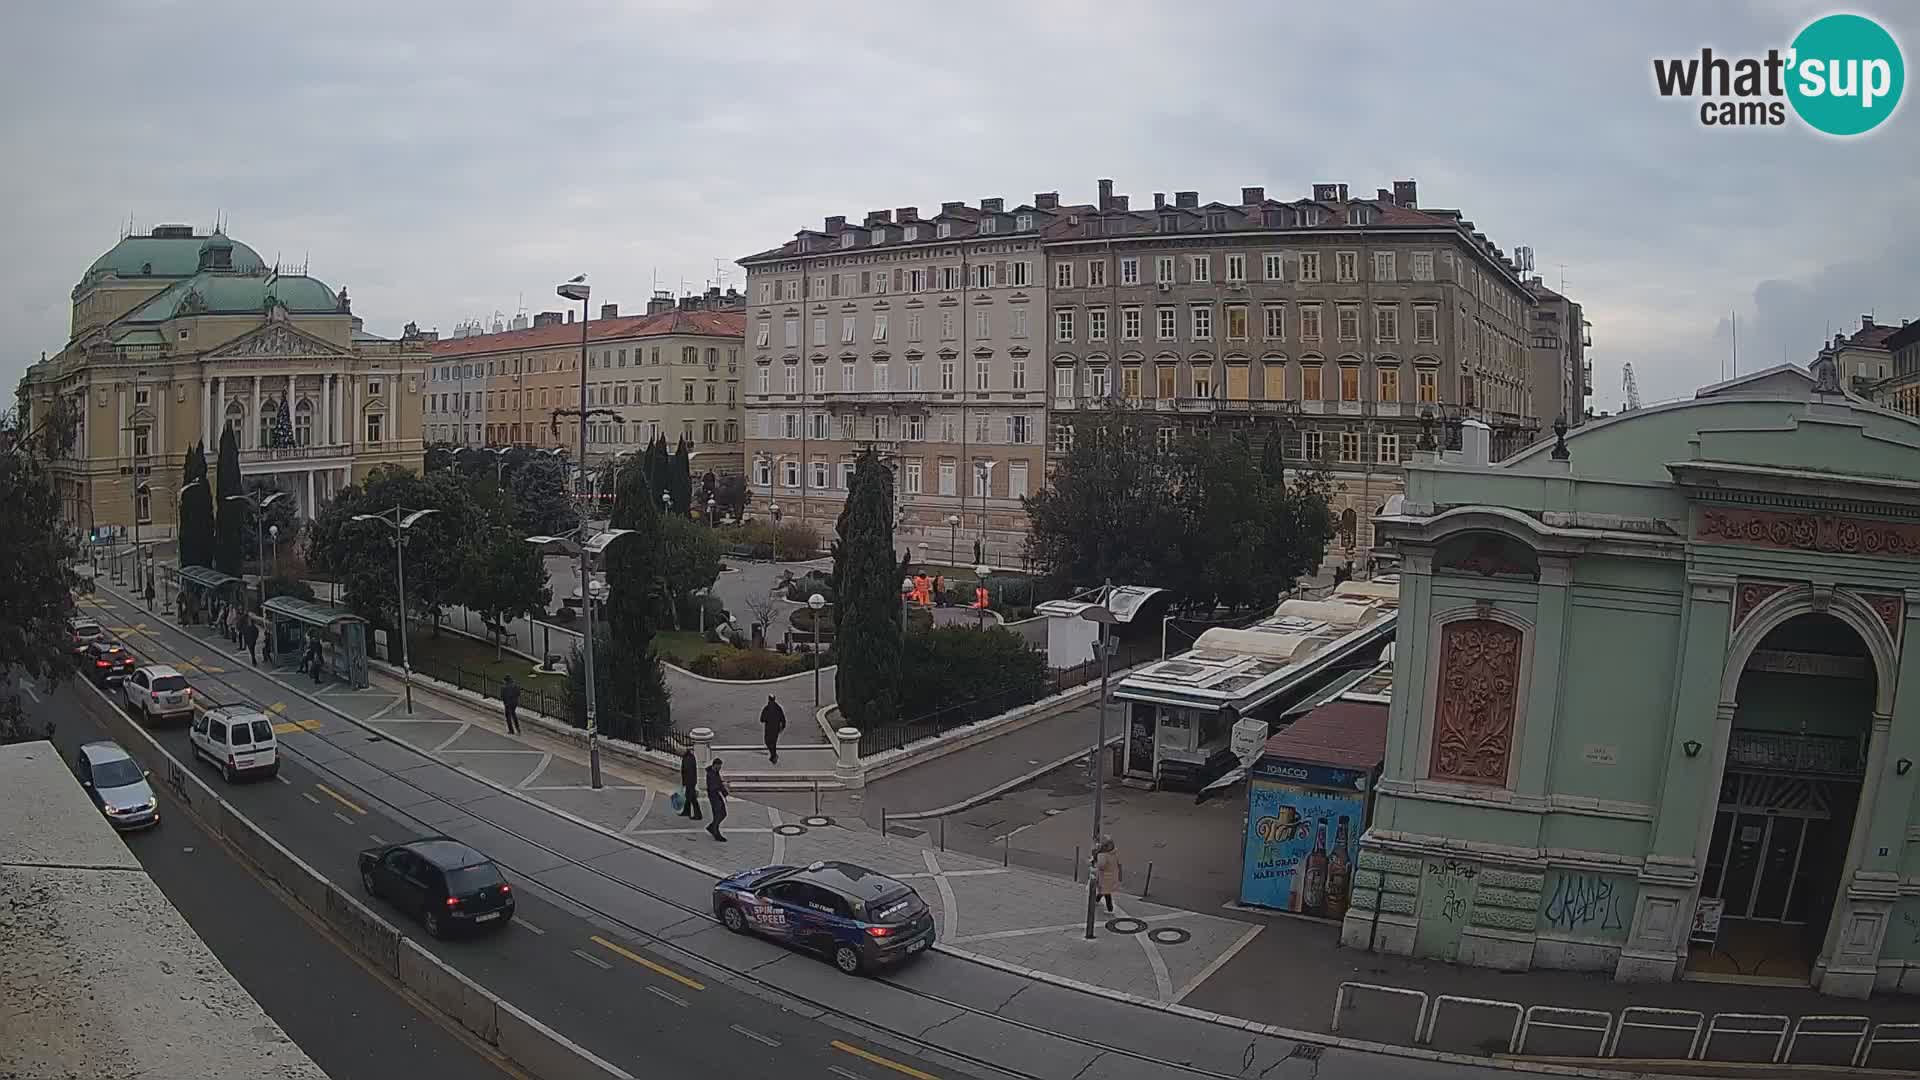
(283, 429)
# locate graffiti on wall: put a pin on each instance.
(1587, 904)
(1447, 891)
(1903, 933)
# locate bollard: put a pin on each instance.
(943, 834)
(1006, 849)
(816, 798)
(1076, 863)
(883, 822)
(1148, 887)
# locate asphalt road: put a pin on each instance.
(351, 1023)
(590, 981)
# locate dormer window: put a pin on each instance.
(879, 236)
(987, 224)
(1023, 222)
(1361, 215)
(1216, 221)
(911, 233)
(943, 230)
(1169, 223)
(846, 240)
(805, 245)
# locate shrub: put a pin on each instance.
(950, 665)
(800, 588)
(759, 540)
(746, 664)
(802, 621)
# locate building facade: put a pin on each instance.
(1655, 701)
(923, 337)
(674, 373)
(1332, 321)
(1558, 339)
(1900, 390)
(177, 336)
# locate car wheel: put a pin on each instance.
(847, 959)
(731, 918)
(273, 770)
(226, 772)
(431, 919)
(366, 882)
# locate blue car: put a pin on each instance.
(859, 919)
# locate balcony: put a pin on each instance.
(861, 398)
(276, 455)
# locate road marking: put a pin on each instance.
(308, 795)
(754, 1035)
(594, 960)
(288, 727)
(889, 1063)
(375, 837)
(451, 739)
(546, 760)
(277, 708)
(341, 799)
(838, 1071)
(344, 819)
(284, 780)
(30, 693)
(527, 926)
(658, 969)
(657, 992)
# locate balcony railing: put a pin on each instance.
(878, 397)
(1775, 751)
(294, 453)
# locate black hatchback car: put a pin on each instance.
(444, 883)
(856, 917)
(106, 661)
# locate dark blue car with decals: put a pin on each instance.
(859, 919)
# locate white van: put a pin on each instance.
(237, 738)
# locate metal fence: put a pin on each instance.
(537, 697)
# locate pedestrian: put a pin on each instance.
(717, 795)
(315, 658)
(690, 783)
(510, 698)
(1106, 870)
(774, 719)
(149, 594)
(251, 635)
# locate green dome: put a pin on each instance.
(172, 251)
(235, 294)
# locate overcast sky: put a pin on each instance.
(445, 162)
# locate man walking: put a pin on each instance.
(690, 785)
(774, 719)
(149, 594)
(510, 698)
(717, 795)
(251, 635)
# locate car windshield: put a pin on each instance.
(169, 682)
(113, 774)
(262, 731)
(86, 629)
(896, 908)
(471, 879)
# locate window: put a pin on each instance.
(1386, 324)
(1275, 322)
(943, 230)
(916, 279)
(910, 234)
(376, 427)
(1017, 431)
(982, 479)
(761, 380)
(1023, 222)
(880, 327)
(1349, 382)
(1346, 265)
(1349, 323)
(1271, 268)
(1168, 323)
(913, 375)
(1016, 479)
(1428, 386)
(1389, 384)
(846, 427)
(1063, 275)
(820, 475)
(982, 374)
(1309, 266)
(1312, 446)
(1130, 382)
(1201, 268)
(983, 276)
(1020, 322)
(1019, 374)
(1096, 324)
(1310, 322)
(1310, 382)
(1426, 322)
(819, 385)
(913, 327)
(1063, 323)
(1389, 447)
(988, 224)
(1097, 379)
(949, 431)
(142, 441)
(790, 473)
(1349, 446)
(946, 375)
(686, 388)
(766, 292)
(912, 427)
(1096, 273)
(1130, 271)
(1062, 442)
(1063, 382)
(1421, 265)
(949, 277)
(1273, 371)
(1165, 384)
(1202, 316)
(1203, 380)
(1466, 391)
(793, 378)
(1017, 274)
(1166, 436)
(846, 331)
(912, 476)
(948, 486)
(763, 336)
(1383, 266)
(1236, 322)
(303, 423)
(1130, 324)
(982, 323)
(820, 331)
(882, 376)
(1236, 268)
(846, 240)
(1163, 269)
(880, 283)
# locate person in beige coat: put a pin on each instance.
(1106, 870)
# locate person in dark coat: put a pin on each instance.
(510, 700)
(690, 785)
(774, 719)
(717, 795)
(251, 635)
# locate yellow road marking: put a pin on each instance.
(290, 726)
(867, 1055)
(277, 708)
(658, 969)
(339, 798)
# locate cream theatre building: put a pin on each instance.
(177, 336)
(1656, 702)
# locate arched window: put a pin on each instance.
(269, 411)
(303, 423)
(236, 418)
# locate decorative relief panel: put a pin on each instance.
(1750, 595)
(1477, 702)
(1811, 532)
(1890, 609)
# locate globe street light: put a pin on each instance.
(816, 602)
(713, 507)
(399, 520)
(953, 539)
(1109, 615)
(595, 546)
(259, 502)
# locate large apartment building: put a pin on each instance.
(1333, 321)
(1900, 391)
(923, 337)
(1559, 337)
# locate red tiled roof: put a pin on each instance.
(1872, 337)
(696, 323)
(1339, 734)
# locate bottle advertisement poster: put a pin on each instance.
(1301, 847)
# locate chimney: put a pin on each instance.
(1106, 194)
(609, 311)
(992, 206)
(1326, 192)
(1343, 193)
(569, 316)
(1120, 201)
(1383, 195)
(1252, 196)
(1186, 200)
(546, 318)
(1476, 443)
(1046, 200)
(950, 207)
(1404, 192)
(836, 224)
(882, 217)
(1866, 322)
(1159, 200)
(661, 303)
(907, 214)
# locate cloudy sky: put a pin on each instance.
(447, 161)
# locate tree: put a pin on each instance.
(659, 470)
(230, 515)
(867, 606)
(196, 510)
(35, 580)
(283, 515)
(730, 493)
(359, 554)
(689, 562)
(1273, 457)
(283, 427)
(631, 700)
(1112, 510)
(950, 665)
(633, 689)
(506, 578)
(680, 476)
(542, 505)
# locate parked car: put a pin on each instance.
(117, 785)
(106, 661)
(237, 738)
(157, 692)
(444, 883)
(858, 918)
(83, 632)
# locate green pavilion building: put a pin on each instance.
(1653, 712)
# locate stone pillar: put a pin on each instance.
(1543, 693)
(252, 439)
(206, 411)
(125, 437)
(313, 508)
(353, 412)
(702, 746)
(847, 768)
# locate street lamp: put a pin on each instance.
(816, 602)
(773, 511)
(713, 509)
(259, 503)
(666, 502)
(595, 546)
(1108, 616)
(400, 522)
(274, 532)
(985, 469)
(953, 539)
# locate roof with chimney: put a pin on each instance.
(715, 324)
(1870, 335)
(889, 228)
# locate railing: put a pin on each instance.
(294, 453)
(537, 698)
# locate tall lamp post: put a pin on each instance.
(400, 520)
(816, 603)
(1108, 616)
(953, 539)
(260, 503)
(595, 546)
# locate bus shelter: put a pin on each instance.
(292, 623)
(202, 591)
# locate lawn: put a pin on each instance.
(456, 659)
(682, 647)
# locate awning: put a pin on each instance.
(308, 612)
(207, 577)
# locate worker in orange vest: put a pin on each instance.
(980, 599)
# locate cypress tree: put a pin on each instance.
(196, 509)
(657, 470)
(230, 516)
(866, 584)
(680, 476)
(638, 695)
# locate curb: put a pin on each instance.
(995, 792)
